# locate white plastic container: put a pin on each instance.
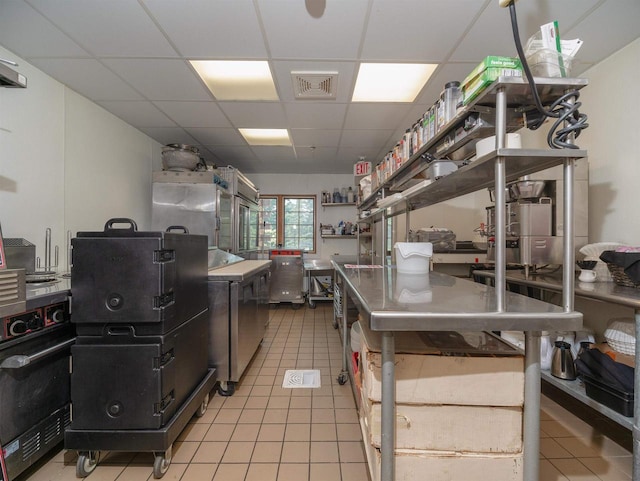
(355, 336)
(488, 144)
(413, 257)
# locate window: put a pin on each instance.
(288, 221)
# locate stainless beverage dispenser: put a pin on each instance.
(534, 217)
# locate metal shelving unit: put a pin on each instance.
(607, 292)
(495, 308)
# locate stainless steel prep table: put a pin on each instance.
(600, 291)
(238, 314)
(314, 268)
(448, 304)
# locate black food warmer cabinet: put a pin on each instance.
(140, 362)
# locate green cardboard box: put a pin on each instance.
(486, 72)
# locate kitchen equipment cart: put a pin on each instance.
(139, 368)
(314, 268)
(287, 274)
(607, 292)
(458, 304)
(89, 442)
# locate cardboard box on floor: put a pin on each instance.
(415, 465)
(467, 429)
(490, 376)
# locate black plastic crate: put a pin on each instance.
(620, 401)
(136, 382)
(156, 280)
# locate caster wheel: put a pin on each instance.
(87, 462)
(312, 305)
(295, 307)
(342, 378)
(228, 390)
(203, 407)
(161, 463)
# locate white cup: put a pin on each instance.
(587, 275)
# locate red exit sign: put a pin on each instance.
(362, 168)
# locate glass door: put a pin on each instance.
(225, 221)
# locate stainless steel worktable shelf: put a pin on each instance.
(608, 292)
(445, 303)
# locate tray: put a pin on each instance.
(620, 401)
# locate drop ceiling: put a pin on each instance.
(132, 58)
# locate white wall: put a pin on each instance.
(611, 101)
(32, 158)
(314, 184)
(67, 164)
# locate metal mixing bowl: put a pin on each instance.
(527, 189)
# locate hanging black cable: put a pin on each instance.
(564, 109)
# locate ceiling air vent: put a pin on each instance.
(314, 85)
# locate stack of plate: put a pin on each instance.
(621, 335)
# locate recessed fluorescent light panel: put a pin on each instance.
(266, 136)
(237, 80)
(391, 82)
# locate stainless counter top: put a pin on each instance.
(317, 265)
(44, 294)
(603, 291)
(392, 301)
(238, 271)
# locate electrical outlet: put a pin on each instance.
(505, 3)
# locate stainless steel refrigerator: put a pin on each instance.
(196, 201)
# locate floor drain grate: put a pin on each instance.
(301, 378)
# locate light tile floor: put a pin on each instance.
(268, 433)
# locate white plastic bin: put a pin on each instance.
(356, 336)
(413, 257)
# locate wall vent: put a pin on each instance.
(314, 85)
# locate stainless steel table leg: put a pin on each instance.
(388, 424)
(636, 409)
(531, 435)
(343, 377)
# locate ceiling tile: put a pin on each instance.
(169, 135)
(315, 137)
(203, 29)
(619, 16)
(230, 155)
(120, 54)
(317, 155)
(138, 113)
(291, 32)
(375, 139)
(214, 137)
(277, 153)
(87, 77)
(115, 28)
(161, 79)
(194, 114)
(283, 69)
(315, 115)
(43, 38)
(375, 115)
(351, 155)
(430, 29)
(477, 44)
(255, 115)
